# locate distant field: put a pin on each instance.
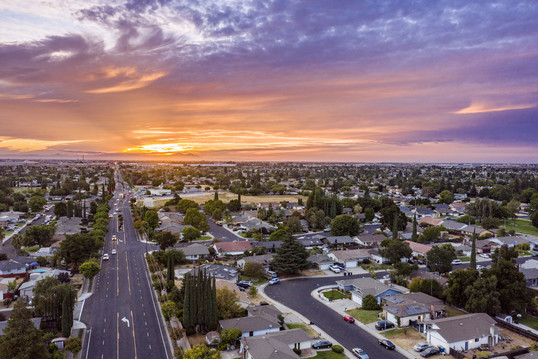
(228, 196)
(522, 226)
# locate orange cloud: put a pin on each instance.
(131, 84)
(29, 145)
(481, 107)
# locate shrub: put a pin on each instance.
(516, 347)
(483, 354)
(337, 349)
(370, 303)
(297, 351)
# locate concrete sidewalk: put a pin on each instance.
(341, 305)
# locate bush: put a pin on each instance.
(297, 351)
(370, 303)
(483, 354)
(337, 349)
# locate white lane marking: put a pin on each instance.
(88, 345)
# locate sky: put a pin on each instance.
(273, 80)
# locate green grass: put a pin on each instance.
(329, 354)
(334, 294)
(529, 321)
(31, 249)
(204, 238)
(255, 281)
(522, 226)
(453, 312)
(363, 315)
(464, 259)
(375, 266)
(393, 333)
(304, 327)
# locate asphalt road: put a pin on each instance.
(122, 315)
(221, 233)
(295, 294)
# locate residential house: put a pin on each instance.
(412, 307)
(484, 246)
(252, 325)
(234, 248)
(422, 212)
(264, 260)
(351, 258)
(195, 252)
(269, 310)
(458, 207)
(258, 224)
(377, 257)
(35, 321)
(463, 250)
(172, 227)
(463, 332)
(277, 345)
(442, 210)
(321, 261)
(340, 241)
(270, 246)
(422, 273)
(370, 240)
(371, 228)
(531, 276)
(453, 226)
(512, 241)
(218, 271)
(311, 241)
(434, 222)
(470, 230)
(419, 249)
(361, 287)
(16, 267)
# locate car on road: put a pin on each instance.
(322, 344)
(428, 352)
(456, 261)
(110, 215)
(535, 254)
(335, 269)
(106, 257)
(478, 266)
(421, 346)
(113, 251)
(349, 319)
(359, 353)
(114, 238)
(274, 281)
(387, 344)
(219, 223)
(383, 324)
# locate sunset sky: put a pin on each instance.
(420, 81)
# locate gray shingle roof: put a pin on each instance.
(463, 327)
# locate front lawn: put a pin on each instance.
(522, 226)
(529, 321)
(334, 294)
(453, 312)
(329, 354)
(464, 259)
(392, 333)
(363, 315)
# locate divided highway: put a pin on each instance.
(122, 315)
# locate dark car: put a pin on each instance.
(428, 352)
(535, 254)
(322, 344)
(383, 324)
(242, 287)
(387, 344)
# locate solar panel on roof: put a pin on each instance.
(415, 309)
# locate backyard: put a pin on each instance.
(363, 315)
(529, 321)
(522, 226)
(305, 327)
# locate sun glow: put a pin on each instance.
(164, 149)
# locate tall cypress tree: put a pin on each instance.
(214, 312)
(239, 197)
(170, 270)
(187, 308)
(473, 251)
(395, 227)
(414, 236)
(216, 195)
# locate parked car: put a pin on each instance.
(335, 269)
(483, 255)
(245, 282)
(456, 261)
(359, 353)
(383, 324)
(349, 319)
(535, 254)
(106, 257)
(274, 281)
(428, 352)
(478, 266)
(387, 344)
(322, 344)
(242, 286)
(421, 346)
(342, 266)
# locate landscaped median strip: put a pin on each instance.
(316, 295)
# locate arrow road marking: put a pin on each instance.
(125, 320)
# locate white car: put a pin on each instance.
(359, 353)
(456, 261)
(106, 257)
(421, 346)
(335, 269)
(478, 266)
(113, 251)
(484, 255)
